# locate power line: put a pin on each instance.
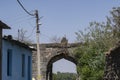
(24, 8)
(37, 39)
(31, 32)
(16, 17)
(19, 21)
(45, 36)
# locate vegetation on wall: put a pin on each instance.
(98, 38)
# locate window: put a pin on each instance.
(9, 62)
(23, 65)
(29, 67)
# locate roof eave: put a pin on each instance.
(4, 26)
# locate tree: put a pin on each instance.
(98, 39)
(64, 76)
(22, 37)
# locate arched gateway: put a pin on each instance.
(50, 53)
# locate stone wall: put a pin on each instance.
(55, 51)
(48, 52)
(112, 68)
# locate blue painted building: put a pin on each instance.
(2, 26)
(16, 60)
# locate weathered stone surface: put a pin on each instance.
(112, 68)
(50, 53)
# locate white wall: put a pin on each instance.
(17, 52)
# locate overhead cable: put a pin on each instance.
(31, 32)
(24, 8)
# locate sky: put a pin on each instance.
(60, 17)
(64, 66)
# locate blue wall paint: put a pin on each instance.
(29, 67)
(17, 52)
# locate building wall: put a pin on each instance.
(17, 52)
(0, 53)
(0, 38)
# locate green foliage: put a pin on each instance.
(64, 76)
(97, 38)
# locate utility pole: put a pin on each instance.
(37, 38)
(38, 46)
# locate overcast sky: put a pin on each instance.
(60, 17)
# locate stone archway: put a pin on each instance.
(50, 53)
(54, 59)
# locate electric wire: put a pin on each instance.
(18, 22)
(31, 32)
(31, 15)
(45, 36)
(24, 8)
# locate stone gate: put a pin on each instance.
(51, 53)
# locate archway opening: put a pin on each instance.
(49, 73)
(64, 66)
(64, 70)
